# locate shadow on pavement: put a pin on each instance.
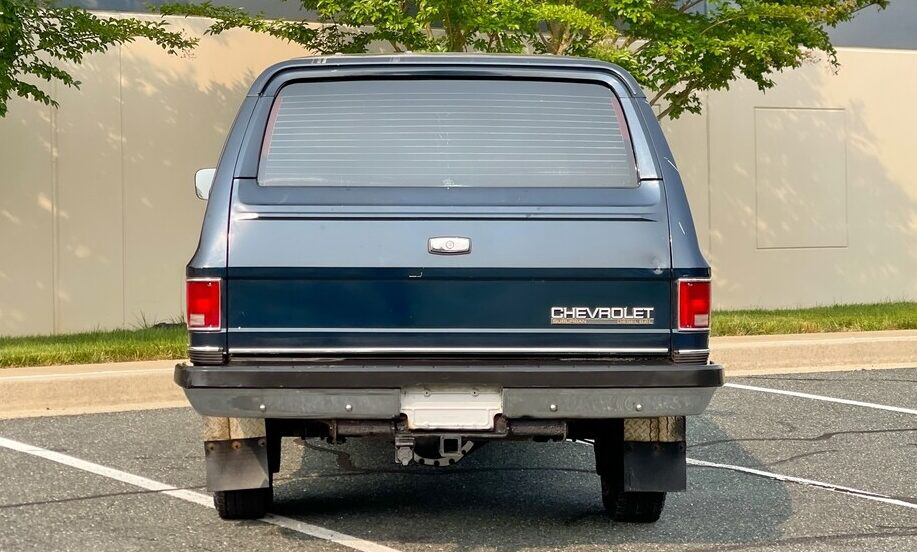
(516, 495)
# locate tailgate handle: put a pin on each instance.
(449, 245)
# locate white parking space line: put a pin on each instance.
(191, 496)
(799, 480)
(823, 398)
(808, 482)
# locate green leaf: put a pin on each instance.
(675, 50)
(36, 37)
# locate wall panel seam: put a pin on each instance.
(709, 171)
(757, 173)
(122, 185)
(55, 224)
(846, 178)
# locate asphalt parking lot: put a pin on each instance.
(767, 473)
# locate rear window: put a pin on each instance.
(447, 133)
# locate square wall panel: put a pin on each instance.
(801, 178)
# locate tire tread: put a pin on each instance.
(633, 507)
(243, 503)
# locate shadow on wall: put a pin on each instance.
(812, 192)
(98, 213)
(26, 211)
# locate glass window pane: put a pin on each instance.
(446, 133)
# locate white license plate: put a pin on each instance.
(451, 407)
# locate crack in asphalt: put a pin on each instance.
(805, 483)
(821, 539)
(92, 497)
(799, 456)
(831, 380)
(790, 428)
(823, 437)
(112, 495)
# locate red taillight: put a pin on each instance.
(204, 304)
(693, 304)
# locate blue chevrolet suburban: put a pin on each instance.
(440, 251)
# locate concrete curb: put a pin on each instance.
(79, 389)
(815, 352)
(84, 388)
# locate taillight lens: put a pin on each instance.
(204, 304)
(693, 304)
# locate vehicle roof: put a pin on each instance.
(444, 59)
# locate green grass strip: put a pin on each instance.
(154, 343)
(838, 318)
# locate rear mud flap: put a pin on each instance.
(237, 464)
(236, 453)
(654, 467)
(644, 454)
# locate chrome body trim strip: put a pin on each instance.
(205, 348)
(441, 350)
(554, 330)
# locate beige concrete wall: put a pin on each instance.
(805, 195)
(97, 209)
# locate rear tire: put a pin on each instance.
(243, 503)
(621, 505)
(631, 507)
